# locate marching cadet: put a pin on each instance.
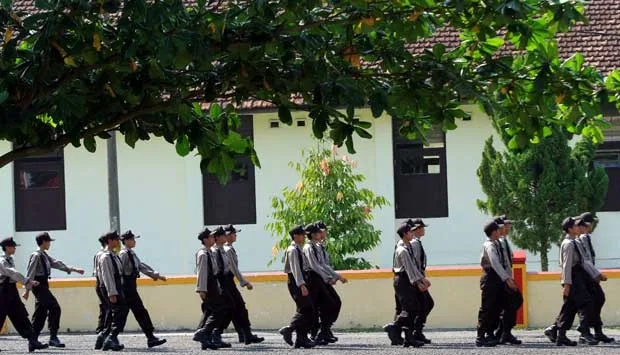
(103, 317)
(299, 290)
(426, 300)
(494, 280)
(335, 277)
(10, 304)
(222, 270)
(512, 299)
(241, 322)
(39, 269)
(408, 281)
(130, 271)
(112, 288)
(215, 309)
(577, 297)
(589, 255)
(392, 329)
(318, 279)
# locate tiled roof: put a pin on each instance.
(598, 41)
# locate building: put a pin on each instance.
(167, 200)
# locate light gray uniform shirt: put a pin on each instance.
(8, 271)
(507, 256)
(203, 258)
(491, 258)
(109, 266)
(403, 262)
(126, 256)
(96, 272)
(586, 241)
(570, 256)
(417, 254)
(234, 264)
(586, 262)
(41, 265)
(324, 259)
(291, 263)
(312, 261)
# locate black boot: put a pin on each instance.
(552, 333)
(508, 338)
(393, 331)
(562, 340)
(322, 338)
(410, 340)
(483, 340)
(598, 335)
(331, 338)
(100, 339)
(35, 344)
(419, 336)
(152, 340)
(241, 337)
(54, 341)
(249, 338)
(287, 334)
(587, 338)
(112, 343)
(216, 339)
(302, 341)
(204, 337)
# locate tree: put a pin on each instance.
(539, 186)
(328, 191)
(73, 70)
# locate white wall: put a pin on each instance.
(86, 203)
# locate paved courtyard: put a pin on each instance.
(444, 342)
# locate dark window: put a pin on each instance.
(234, 202)
(608, 156)
(420, 179)
(39, 184)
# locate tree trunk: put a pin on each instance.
(544, 260)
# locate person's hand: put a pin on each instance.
(566, 290)
(34, 283)
(161, 277)
(78, 270)
(250, 286)
(343, 280)
(422, 287)
(203, 295)
(512, 285)
(427, 283)
(332, 282)
(603, 277)
(25, 295)
(304, 290)
(113, 299)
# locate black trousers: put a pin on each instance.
(240, 317)
(492, 289)
(104, 318)
(134, 302)
(326, 307)
(216, 312)
(304, 313)
(509, 304)
(117, 313)
(45, 307)
(579, 300)
(408, 300)
(426, 302)
(337, 303)
(598, 298)
(11, 306)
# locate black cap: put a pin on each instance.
(321, 225)
(111, 235)
(43, 237)
(588, 217)
(102, 239)
(490, 227)
(505, 219)
(416, 223)
(8, 242)
(402, 229)
(218, 231)
(128, 235)
(312, 228)
(231, 229)
(204, 234)
(580, 222)
(297, 230)
(568, 223)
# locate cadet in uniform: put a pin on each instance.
(112, 288)
(335, 277)
(492, 283)
(222, 267)
(241, 322)
(426, 300)
(575, 290)
(103, 309)
(39, 269)
(318, 278)
(512, 299)
(299, 291)
(392, 329)
(10, 304)
(131, 268)
(216, 312)
(589, 255)
(408, 281)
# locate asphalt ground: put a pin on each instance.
(443, 342)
